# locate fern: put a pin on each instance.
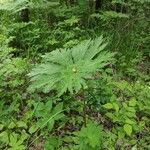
(68, 69)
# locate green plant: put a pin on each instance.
(65, 69)
(124, 114)
(89, 137)
(13, 5)
(18, 5)
(100, 91)
(80, 82)
(47, 115)
(14, 140)
(110, 140)
(52, 143)
(128, 111)
(66, 33)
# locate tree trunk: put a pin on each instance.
(98, 4)
(25, 15)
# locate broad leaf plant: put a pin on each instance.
(68, 69)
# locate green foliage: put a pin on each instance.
(112, 14)
(11, 69)
(17, 5)
(68, 69)
(15, 140)
(117, 97)
(52, 143)
(100, 91)
(89, 137)
(124, 113)
(47, 115)
(13, 5)
(128, 129)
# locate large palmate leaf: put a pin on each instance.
(68, 69)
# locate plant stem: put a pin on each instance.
(84, 111)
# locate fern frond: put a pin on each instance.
(67, 69)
